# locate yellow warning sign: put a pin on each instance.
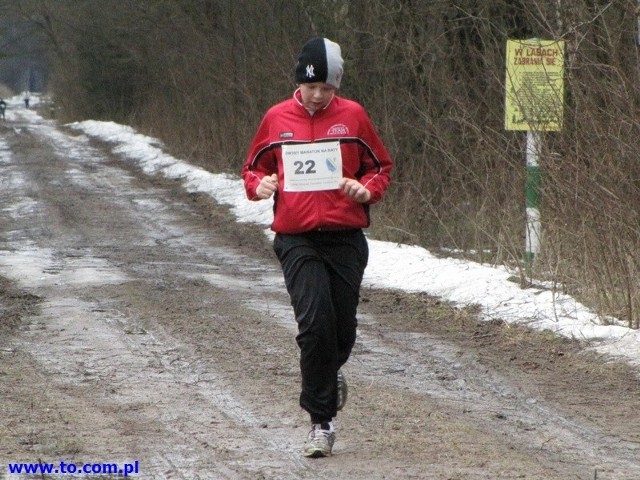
(534, 98)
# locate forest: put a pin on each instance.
(199, 74)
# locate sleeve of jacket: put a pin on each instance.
(261, 160)
(376, 163)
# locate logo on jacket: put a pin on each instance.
(286, 134)
(338, 129)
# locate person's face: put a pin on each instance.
(316, 96)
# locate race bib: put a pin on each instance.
(312, 166)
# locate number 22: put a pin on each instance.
(300, 167)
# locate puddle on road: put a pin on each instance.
(34, 267)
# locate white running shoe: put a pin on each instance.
(320, 440)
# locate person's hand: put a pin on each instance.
(267, 187)
(355, 190)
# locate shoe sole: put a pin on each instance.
(316, 454)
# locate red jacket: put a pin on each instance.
(364, 157)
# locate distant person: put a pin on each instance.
(26, 100)
(3, 108)
(320, 158)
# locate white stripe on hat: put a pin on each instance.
(334, 63)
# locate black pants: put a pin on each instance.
(323, 272)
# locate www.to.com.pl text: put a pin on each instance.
(65, 468)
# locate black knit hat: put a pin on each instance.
(320, 61)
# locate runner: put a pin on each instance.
(320, 158)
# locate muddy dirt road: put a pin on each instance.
(140, 323)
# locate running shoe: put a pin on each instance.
(320, 440)
(343, 390)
